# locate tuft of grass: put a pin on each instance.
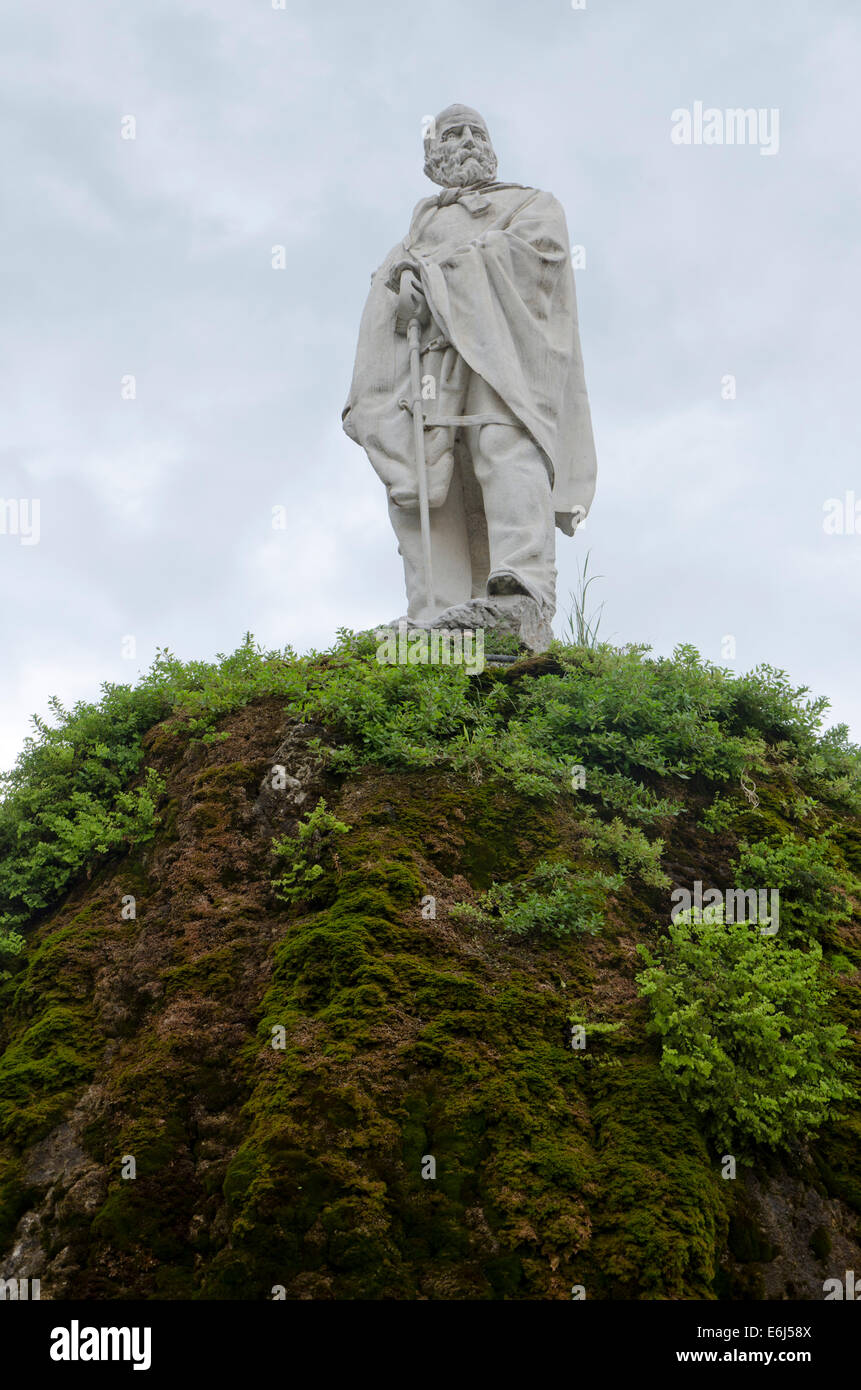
(582, 628)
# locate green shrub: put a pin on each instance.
(627, 718)
(594, 1028)
(555, 899)
(68, 798)
(811, 901)
(624, 717)
(629, 847)
(50, 839)
(840, 964)
(11, 944)
(634, 800)
(721, 814)
(746, 1037)
(303, 860)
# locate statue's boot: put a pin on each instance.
(503, 582)
(410, 622)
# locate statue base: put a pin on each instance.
(510, 615)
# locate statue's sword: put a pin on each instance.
(412, 327)
(413, 339)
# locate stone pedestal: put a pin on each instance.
(514, 615)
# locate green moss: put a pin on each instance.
(490, 1090)
(41, 1071)
(148, 1216)
(170, 815)
(745, 1240)
(208, 817)
(15, 1194)
(215, 781)
(660, 1215)
(836, 1159)
(411, 1037)
(149, 1115)
(820, 1243)
(505, 1139)
(63, 965)
(213, 975)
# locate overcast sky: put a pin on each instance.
(300, 127)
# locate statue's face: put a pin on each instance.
(460, 155)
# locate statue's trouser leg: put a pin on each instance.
(515, 482)
(450, 555)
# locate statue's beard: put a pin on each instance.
(453, 169)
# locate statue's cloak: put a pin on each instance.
(494, 263)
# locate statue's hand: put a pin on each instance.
(411, 302)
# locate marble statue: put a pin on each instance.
(468, 393)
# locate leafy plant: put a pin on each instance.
(502, 644)
(594, 1028)
(720, 815)
(627, 718)
(11, 944)
(68, 800)
(633, 799)
(840, 964)
(629, 847)
(554, 900)
(746, 1036)
(812, 887)
(51, 837)
(304, 859)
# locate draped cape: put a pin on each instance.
(494, 264)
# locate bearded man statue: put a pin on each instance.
(509, 454)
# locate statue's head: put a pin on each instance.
(458, 151)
